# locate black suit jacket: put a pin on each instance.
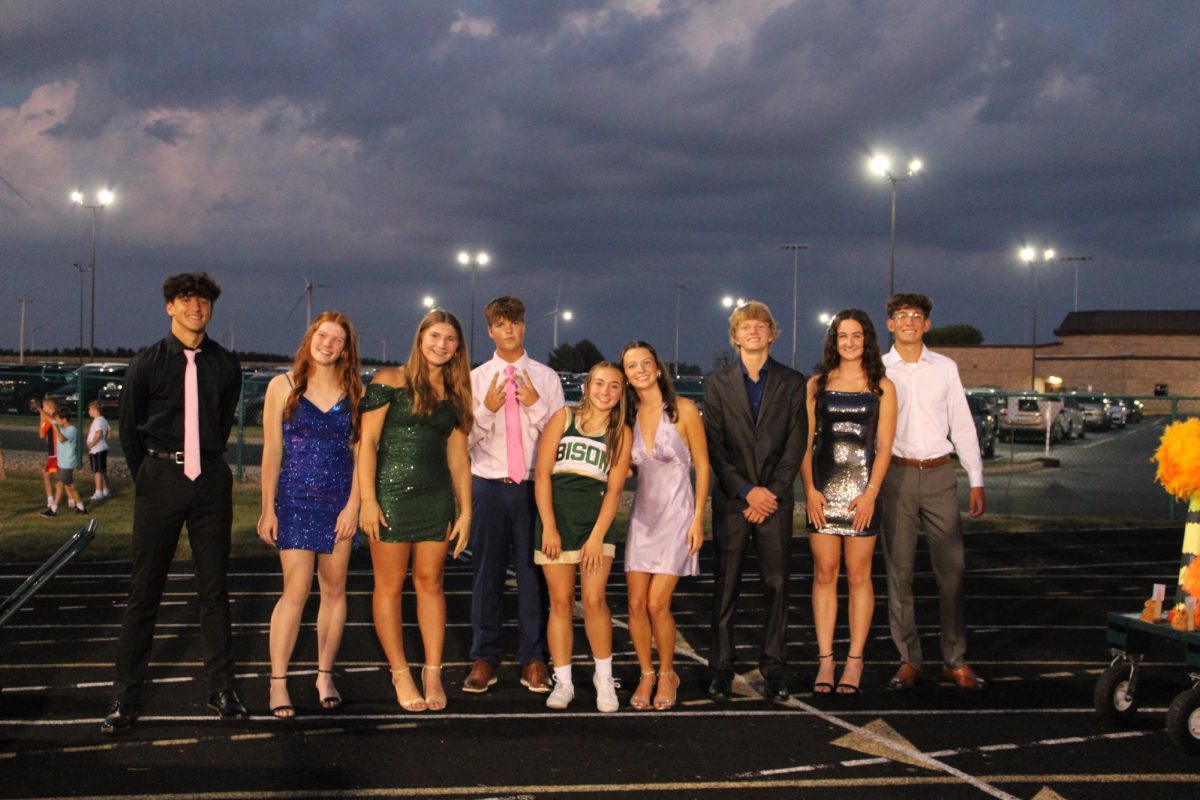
(766, 452)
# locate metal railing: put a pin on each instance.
(71, 548)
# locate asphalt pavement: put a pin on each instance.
(1036, 611)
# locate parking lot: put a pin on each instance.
(1036, 616)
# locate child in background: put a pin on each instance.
(67, 439)
(97, 442)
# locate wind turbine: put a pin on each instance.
(307, 294)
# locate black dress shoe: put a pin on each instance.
(227, 705)
(119, 719)
(775, 686)
(721, 687)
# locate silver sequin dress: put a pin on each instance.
(844, 451)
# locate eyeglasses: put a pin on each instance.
(900, 316)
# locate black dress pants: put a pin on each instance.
(166, 499)
(773, 540)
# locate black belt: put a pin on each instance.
(505, 480)
(177, 456)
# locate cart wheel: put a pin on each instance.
(1183, 720)
(1111, 699)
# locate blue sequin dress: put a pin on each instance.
(315, 477)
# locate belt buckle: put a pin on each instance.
(177, 457)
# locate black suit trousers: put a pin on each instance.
(166, 499)
(773, 541)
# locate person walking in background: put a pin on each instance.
(177, 407)
(852, 420)
(666, 524)
(45, 409)
(582, 463)
(97, 442)
(413, 466)
(757, 428)
(921, 490)
(67, 441)
(310, 496)
(515, 397)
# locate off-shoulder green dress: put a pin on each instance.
(412, 476)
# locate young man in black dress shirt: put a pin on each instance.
(177, 485)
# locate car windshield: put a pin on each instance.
(1027, 404)
(978, 404)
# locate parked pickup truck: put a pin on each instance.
(21, 383)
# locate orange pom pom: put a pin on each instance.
(1178, 458)
(1190, 579)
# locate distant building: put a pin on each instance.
(1119, 352)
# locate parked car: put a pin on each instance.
(21, 383)
(1030, 416)
(1074, 412)
(1096, 413)
(992, 400)
(1136, 409)
(94, 378)
(1117, 411)
(254, 393)
(985, 424)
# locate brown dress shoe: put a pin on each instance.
(482, 676)
(905, 678)
(965, 677)
(536, 677)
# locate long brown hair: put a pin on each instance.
(664, 384)
(456, 373)
(872, 360)
(614, 429)
(346, 366)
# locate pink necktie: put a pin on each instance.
(191, 418)
(512, 427)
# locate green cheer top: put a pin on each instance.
(578, 482)
(412, 476)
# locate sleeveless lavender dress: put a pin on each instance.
(663, 505)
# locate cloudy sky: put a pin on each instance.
(613, 148)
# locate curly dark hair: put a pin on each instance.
(186, 284)
(872, 359)
(504, 308)
(664, 385)
(910, 300)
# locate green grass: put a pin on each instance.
(27, 537)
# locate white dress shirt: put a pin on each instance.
(488, 442)
(932, 415)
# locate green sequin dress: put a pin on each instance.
(412, 477)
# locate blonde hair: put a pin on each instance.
(614, 429)
(751, 310)
(456, 374)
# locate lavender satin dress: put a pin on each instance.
(663, 506)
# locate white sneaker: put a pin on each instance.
(106, 494)
(561, 696)
(96, 496)
(606, 694)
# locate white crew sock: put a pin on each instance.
(604, 667)
(563, 675)
(49, 501)
(70, 503)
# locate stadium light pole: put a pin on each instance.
(679, 287)
(466, 259)
(1075, 262)
(795, 248)
(1030, 256)
(103, 198)
(82, 269)
(881, 165)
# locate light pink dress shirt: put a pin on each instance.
(488, 443)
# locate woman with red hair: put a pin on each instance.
(310, 495)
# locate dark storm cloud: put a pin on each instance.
(621, 148)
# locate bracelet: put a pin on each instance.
(872, 486)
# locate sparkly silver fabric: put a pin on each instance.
(844, 450)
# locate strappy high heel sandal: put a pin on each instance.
(823, 687)
(286, 711)
(412, 704)
(849, 689)
(330, 702)
(668, 691)
(641, 699)
(433, 702)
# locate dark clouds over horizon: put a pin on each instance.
(616, 148)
